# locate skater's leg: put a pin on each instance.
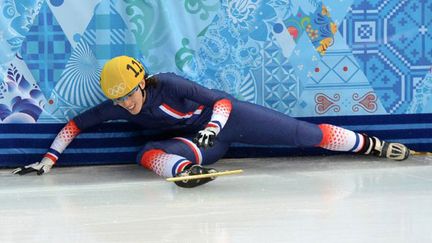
(255, 124)
(180, 157)
(162, 163)
(184, 147)
(340, 139)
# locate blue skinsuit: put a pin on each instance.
(248, 123)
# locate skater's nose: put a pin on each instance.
(126, 103)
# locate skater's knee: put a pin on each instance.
(153, 145)
(146, 158)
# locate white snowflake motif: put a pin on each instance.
(240, 11)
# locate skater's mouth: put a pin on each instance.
(131, 107)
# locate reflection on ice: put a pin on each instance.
(298, 199)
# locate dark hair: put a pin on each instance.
(150, 81)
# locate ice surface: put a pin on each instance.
(298, 199)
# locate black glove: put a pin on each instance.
(205, 138)
(39, 167)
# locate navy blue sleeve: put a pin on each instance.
(105, 111)
(184, 88)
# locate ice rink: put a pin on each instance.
(298, 199)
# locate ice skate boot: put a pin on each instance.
(394, 151)
(194, 170)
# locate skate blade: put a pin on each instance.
(412, 152)
(193, 177)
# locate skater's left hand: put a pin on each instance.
(206, 138)
(39, 167)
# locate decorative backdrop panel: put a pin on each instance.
(316, 60)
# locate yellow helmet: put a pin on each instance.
(120, 76)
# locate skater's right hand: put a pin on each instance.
(206, 138)
(39, 167)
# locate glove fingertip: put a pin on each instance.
(18, 171)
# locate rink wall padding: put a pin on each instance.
(119, 142)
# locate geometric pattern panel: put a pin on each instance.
(340, 87)
(281, 83)
(337, 69)
(105, 37)
(46, 50)
(392, 43)
(107, 33)
(286, 55)
(78, 86)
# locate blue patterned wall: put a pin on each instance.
(313, 59)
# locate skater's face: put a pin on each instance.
(133, 102)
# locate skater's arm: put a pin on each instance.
(61, 141)
(218, 100)
(221, 111)
(94, 116)
(90, 118)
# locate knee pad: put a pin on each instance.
(148, 157)
(148, 146)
